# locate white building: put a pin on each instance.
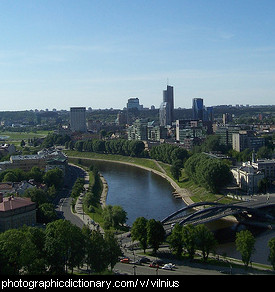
(247, 177)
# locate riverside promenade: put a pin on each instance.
(79, 212)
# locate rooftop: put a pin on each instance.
(11, 203)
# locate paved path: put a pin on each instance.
(86, 219)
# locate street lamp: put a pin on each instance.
(134, 267)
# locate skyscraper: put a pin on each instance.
(133, 102)
(78, 119)
(198, 109)
(166, 112)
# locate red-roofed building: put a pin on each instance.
(16, 212)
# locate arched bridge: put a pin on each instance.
(209, 211)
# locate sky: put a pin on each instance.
(99, 53)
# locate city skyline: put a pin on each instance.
(98, 54)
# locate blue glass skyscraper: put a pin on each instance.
(198, 109)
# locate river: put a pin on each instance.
(139, 192)
(143, 193)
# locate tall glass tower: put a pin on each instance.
(167, 107)
(198, 109)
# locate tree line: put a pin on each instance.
(113, 216)
(151, 233)
(59, 248)
(208, 172)
(189, 239)
(119, 146)
(51, 177)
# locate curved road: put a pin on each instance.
(63, 204)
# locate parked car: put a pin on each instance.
(144, 260)
(125, 260)
(168, 266)
(154, 265)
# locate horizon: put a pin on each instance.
(98, 54)
(145, 108)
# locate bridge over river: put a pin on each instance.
(203, 212)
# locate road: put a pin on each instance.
(63, 203)
(144, 269)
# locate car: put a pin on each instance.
(154, 265)
(168, 266)
(144, 260)
(138, 262)
(125, 260)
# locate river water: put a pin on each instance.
(143, 193)
(139, 192)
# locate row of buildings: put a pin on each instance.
(16, 211)
(46, 159)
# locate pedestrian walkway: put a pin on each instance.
(79, 212)
(84, 217)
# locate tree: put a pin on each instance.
(64, 246)
(211, 173)
(37, 195)
(37, 265)
(205, 240)
(175, 240)
(139, 232)
(79, 146)
(245, 245)
(107, 217)
(179, 154)
(17, 252)
(36, 173)
(46, 213)
(189, 239)
(176, 169)
(265, 152)
(155, 234)
(119, 216)
(96, 251)
(113, 251)
(271, 256)
(113, 216)
(54, 177)
(10, 177)
(136, 148)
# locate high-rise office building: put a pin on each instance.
(78, 119)
(133, 102)
(168, 96)
(166, 111)
(197, 109)
(165, 114)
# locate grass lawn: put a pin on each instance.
(16, 137)
(113, 157)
